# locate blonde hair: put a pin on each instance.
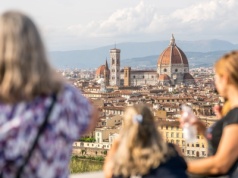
(24, 70)
(141, 146)
(228, 64)
(225, 108)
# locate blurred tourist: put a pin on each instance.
(223, 135)
(140, 151)
(40, 115)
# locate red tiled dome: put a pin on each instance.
(164, 77)
(172, 55)
(188, 76)
(100, 70)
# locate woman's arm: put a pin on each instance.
(224, 158)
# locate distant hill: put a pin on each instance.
(195, 59)
(202, 52)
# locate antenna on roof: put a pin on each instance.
(115, 45)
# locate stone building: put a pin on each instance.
(103, 72)
(115, 67)
(172, 69)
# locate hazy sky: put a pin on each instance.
(84, 24)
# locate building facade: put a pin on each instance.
(172, 69)
(115, 67)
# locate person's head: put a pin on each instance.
(24, 69)
(226, 74)
(141, 145)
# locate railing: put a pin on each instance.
(88, 175)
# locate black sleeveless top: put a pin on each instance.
(214, 134)
(174, 167)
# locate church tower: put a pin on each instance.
(106, 74)
(115, 67)
(127, 76)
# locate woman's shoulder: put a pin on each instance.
(69, 92)
(174, 166)
(68, 88)
(72, 97)
(174, 158)
(231, 117)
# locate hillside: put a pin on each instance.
(202, 52)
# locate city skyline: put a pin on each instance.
(72, 25)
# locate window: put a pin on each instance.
(167, 134)
(188, 151)
(192, 152)
(177, 142)
(113, 61)
(176, 70)
(134, 76)
(177, 135)
(197, 145)
(192, 145)
(165, 70)
(172, 134)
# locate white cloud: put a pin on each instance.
(122, 22)
(211, 18)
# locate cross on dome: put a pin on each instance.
(172, 41)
